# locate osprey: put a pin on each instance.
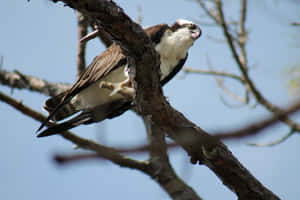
(100, 91)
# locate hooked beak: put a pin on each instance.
(196, 34)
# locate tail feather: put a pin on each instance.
(66, 111)
(83, 118)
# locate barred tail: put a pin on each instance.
(66, 111)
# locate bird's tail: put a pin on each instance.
(66, 111)
(82, 118)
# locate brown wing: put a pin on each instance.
(155, 32)
(101, 65)
(109, 60)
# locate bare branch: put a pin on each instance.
(260, 125)
(159, 167)
(213, 72)
(18, 80)
(247, 130)
(295, 23)
(259, 97)
(275, 142)
(67, 159)
(103, 151)
(221, 84)
(162, 170)
(140, 16)
(208, 11)
(104, 37)
(243, 33)
(81, 46)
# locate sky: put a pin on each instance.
(39, 38)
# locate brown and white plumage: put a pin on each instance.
(96, 103)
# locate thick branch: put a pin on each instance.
(151, 103)
(18, 80)
(162, 170)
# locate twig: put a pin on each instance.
(67, 159)
(221, 84)
(295, 23)
(103, 151)
(140, 16)
(209, 12)
(275, 142)
(215, 73)
(259, 97)
(82, 24)
(260, 125)
(89, 36)
(243, 33)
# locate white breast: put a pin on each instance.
(172, 48)
(94, 95)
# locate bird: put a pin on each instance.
(105, 90)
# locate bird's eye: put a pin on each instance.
(192, 26)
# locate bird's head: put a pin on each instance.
(186, 30)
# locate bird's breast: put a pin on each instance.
(95, 95)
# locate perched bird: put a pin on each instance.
(104, 90)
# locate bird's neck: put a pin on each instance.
(172, 48)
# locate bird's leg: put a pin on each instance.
(121, 86)
(124, 88)
(126, 85)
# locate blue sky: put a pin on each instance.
(39, 38)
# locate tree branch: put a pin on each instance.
(259, 97)
(259, 126)
(162, 170)
(240, 133)
(18, 80)
(102, 151)
(152, 104)
(214, 73)
(270, 144)
(82, 24)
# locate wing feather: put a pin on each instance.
(109, 60)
